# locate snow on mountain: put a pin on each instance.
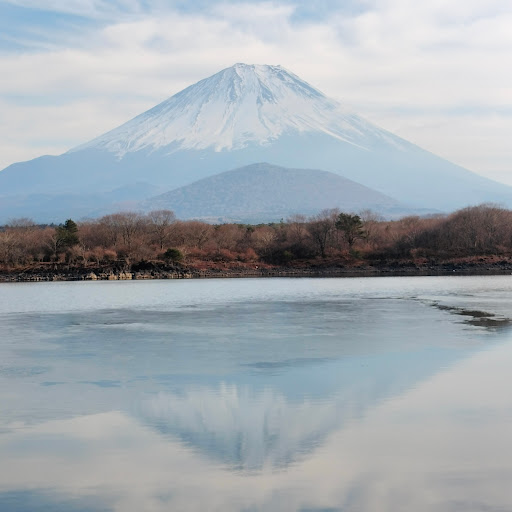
(240, 105)
(240, 116)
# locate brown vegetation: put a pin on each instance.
(131, 239)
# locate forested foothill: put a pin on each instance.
(130, 245)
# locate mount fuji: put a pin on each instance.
(242, 115)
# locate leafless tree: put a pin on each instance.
(160, 224)
(321, 227)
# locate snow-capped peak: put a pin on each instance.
(241, 105)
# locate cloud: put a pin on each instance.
(408, 67)
(87, 8)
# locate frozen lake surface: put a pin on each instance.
(355, 394)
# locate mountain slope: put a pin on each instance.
(266, 193)
(237, 107)
(239, 116)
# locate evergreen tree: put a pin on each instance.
(174, 255)
(352, 227)
(67, 235)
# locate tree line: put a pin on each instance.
(132, 237)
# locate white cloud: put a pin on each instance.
(435, 73)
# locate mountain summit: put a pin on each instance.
(241, 105)
(242, 115)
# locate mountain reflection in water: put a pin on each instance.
(250, 430)
(357, 395)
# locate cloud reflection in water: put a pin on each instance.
(443, 445)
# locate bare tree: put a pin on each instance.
(371, 221)
(122, 228)
(161, 222)
(7, 248)
(21, 223)
(297, 228)
(264, 238)
(321, 228)
(195, 233)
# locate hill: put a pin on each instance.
(267, 193)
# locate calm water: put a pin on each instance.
(373, 394)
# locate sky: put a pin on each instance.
(436, 73)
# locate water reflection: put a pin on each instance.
(443, 445)
(242, 429)
(248, 428)
(343, 401)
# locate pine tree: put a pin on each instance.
(352, 227)
(67, 235)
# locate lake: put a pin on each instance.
(354, 394)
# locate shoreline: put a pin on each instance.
(67, 273)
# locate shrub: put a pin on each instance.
(173, 255)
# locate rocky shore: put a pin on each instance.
(63, 272)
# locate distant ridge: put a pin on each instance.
(266, 193)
